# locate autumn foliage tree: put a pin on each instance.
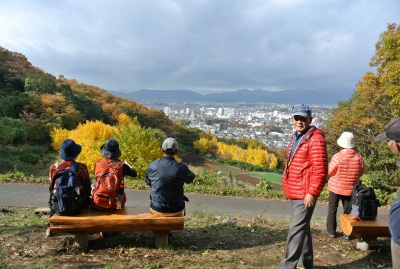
(139, 146)
(374, 103)
(254, 153)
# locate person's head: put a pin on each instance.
(170, 146)
(302, 118)
(391, 135)
(110, 149)
(69, 150)
(346, 140)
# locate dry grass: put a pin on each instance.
(206, 242)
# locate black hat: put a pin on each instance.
(69, 150)
(110, 149)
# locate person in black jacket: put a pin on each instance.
(166, 178)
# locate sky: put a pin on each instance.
(204, 46)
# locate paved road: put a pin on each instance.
(33, 195)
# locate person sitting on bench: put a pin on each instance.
(166, 178)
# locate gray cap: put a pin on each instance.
(170, 145)
(302, 110)
(392, 131)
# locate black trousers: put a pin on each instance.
(333, 203)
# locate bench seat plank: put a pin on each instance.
(365, 228)
(128, 219)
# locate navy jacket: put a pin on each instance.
(166, 178)
(394, 221)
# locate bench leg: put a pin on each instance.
(82, 239)
(161, 239)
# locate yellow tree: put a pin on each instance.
(257, 156)
(273, 161)
(223, 150)
(237, 153)
(205, 146)
(90, 135)
(139, 145)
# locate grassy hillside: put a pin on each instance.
(32, 103)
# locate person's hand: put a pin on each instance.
(309, 200)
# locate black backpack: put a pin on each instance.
(363, 202)
(69, 196)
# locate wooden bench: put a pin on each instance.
(365, 230)
(128, 219)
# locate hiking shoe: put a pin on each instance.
(330, 235)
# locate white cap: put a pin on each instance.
(170, 145)
(346, 140)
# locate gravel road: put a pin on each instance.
(34, 195)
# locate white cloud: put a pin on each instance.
(199, 45)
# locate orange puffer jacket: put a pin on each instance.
(345, 168)
(307, 170)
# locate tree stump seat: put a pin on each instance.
(365, 230)
(128, 219)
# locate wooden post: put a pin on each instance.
(161, 239)
(82, 239)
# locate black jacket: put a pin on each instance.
(166, 178)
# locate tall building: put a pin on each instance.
(167, 110)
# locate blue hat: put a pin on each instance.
(110, 149)
(302, 110)
(69, 150)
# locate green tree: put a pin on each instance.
(12, 131)
(39, 83)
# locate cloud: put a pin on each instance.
(202, 45)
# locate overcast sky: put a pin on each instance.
(200, 45)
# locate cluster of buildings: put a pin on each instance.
(270, 124)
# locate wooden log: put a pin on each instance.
(367, 229)
(125, 220)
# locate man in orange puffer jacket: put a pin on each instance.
(303, 179)
(345, 168)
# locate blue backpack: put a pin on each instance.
(67, 192)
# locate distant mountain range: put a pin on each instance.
(240, 96)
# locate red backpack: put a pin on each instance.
(109, 178)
